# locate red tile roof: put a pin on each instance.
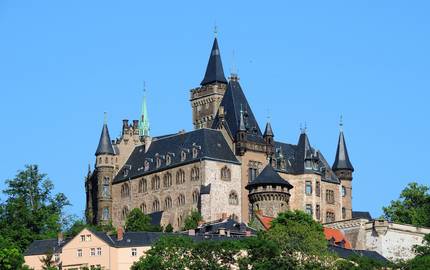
(337, 237)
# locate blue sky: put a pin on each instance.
(62, 64)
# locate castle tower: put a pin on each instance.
(102, 179)
(269, 139)
(269, 193)
(205, 100)
(343, 169)
(144, 119)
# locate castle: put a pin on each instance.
(225, 167)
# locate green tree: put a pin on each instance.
(79, 224)
(413, 206)
(48, 262)
(137, 221)
(31, 211)
(11, 258)
(192, 221)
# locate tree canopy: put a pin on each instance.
(413, 206)
(192, 220)
(137, 221)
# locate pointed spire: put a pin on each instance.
(105, 145)
(342, 161)
(242, 126)
(144, 119)
(268, 131)
(214, 70)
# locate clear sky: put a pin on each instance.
(63, 63)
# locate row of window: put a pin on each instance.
(233, 199)
(329, 193)
(93, 252)
(168, 158)
(330, 216)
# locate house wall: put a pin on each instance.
(34, 261)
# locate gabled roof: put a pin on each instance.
(214, 71)
(269, 177)
(234, 101)
(41, 247)
(105, 144)
(362, 215)
(342, 161)
(209, 144)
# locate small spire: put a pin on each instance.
(144, 119)
(105, 118)
(342, 161)
(341, 123)
(242, 126)
(268, 131)
(105, 144)
(214, 70)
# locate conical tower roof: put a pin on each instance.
(342, 161)
(105, 145)
(268, 131)
(269, 177)
(214, 70)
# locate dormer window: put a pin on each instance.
(183, 155)
(158, 162)
(168, 160)
(195, 152)
(125, 172)
(146, 165)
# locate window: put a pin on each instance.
(329, 196)
(124, 213)
(105, 213)
(343, 213)
(167, 180)
(146, 165)
(233, 199)
(155, 183)
(133, 252)
(168, 203)
(143, 208)
(308, 188)
(168, 160)
(156, 206)
(309, 209)
(82, 238)
(143, 185)
(180, 177)
(181, 199)
(195, 152)
(125, 191)
(93, 252)
(79, 253)
(106, 188)
(318, 212)
(318, 188)
(330, 217)
(183, 155)
(225, 174)
(195, 174)
(158, 162)
(196, 196)
(343, 191)
(56, 257)
(252, 174)
(99, 251)
(88, 238)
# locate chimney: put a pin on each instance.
(120, 234)
(60, 238)
(135, 123)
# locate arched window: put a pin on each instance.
(158, 162)
(106, 187)
(143, 185)
(195, 174)
(181, 200)
(195, 152)
(196, 196)
(225, 174)
(105, 213)
(146, 165)
(125, 190)
(155, 183)
(168, 160)
(168, 203)
(167, 180)
(156, 205)
(124, 213)
(183, 155)
(233, 199)
(180, 177)
(143, 208)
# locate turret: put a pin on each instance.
(144, 119)
(269, 139)
(241, 135)
(343, 169)
(206, 98)
(269, 193)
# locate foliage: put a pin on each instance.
(297, 232)
(31, 211)
(137, 221)
(169, 228)
(357, 262)
(79, 224)
(192, 221)
(47, 261)
(423, 250)
(422, 260)
(11, 258)
(413, 206)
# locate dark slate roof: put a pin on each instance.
(295, 157)
(210, 145)
(342, 161)
(269, 177)
(268, 131)
(205, 190)
(105, 144)
(41, 247)
(230, 225)
(347, 253)
(361, 214)
(156, 218)
(214, 71)
(234, 101)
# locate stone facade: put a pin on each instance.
(205, 101)
(391, 240)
